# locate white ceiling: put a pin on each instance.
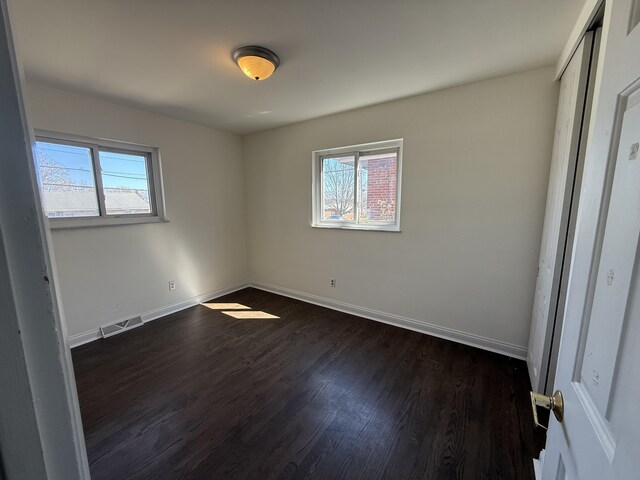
(173, 57)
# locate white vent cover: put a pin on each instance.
(119, 327)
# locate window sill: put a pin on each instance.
(370, 228)
(71, 223)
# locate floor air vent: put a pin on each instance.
(119, 327)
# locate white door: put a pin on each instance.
(599, 360)
(563, 162)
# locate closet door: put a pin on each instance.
(566, 147)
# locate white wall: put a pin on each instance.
(111, 273)
(475, 173)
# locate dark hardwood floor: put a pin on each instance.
(314, 394)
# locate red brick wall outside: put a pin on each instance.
(381, 188)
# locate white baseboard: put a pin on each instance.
(86, 337)
(421, 326)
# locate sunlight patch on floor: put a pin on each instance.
(249, 315)
(225, 306)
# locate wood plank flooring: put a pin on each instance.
(314, 394)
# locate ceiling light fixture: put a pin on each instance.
(256, 62)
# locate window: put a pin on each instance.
(358, 187)
(86, 182)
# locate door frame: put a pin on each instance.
(40, 426)
(585, 21)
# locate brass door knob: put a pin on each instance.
(555, 403)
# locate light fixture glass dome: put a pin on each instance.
(256, 62)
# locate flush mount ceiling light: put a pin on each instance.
(256, 62)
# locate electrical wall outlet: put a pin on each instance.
(332, 282)
(172, 285)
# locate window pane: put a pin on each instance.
(378, 183)
(67, 183)
(338, 184)
(125, 182)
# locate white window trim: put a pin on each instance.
(316, 185)
(156, 187)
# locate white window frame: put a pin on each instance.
(356, 151)
(154, 175)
